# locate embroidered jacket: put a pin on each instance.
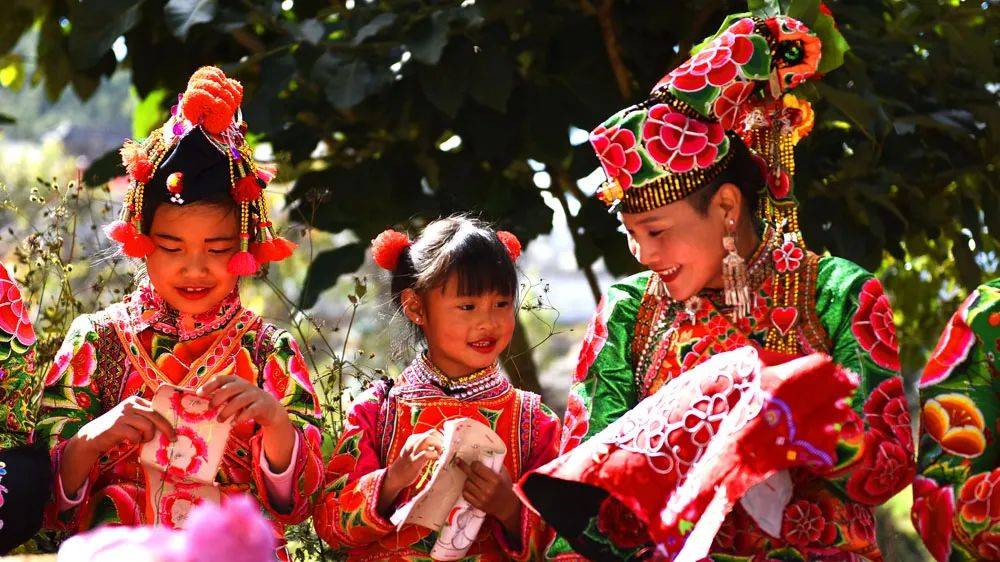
(640, 339)
(134, 346)
(956, 496)
(377, 426)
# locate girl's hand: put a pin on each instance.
(132, 420)
(418, 450)
(240, 400)
(493, 493)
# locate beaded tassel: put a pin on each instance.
(735, 281)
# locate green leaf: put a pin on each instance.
(182, 15)
(18, 16)
(149, 114)
(348, 84)
(804, 10)
(95, 25)
(863, 113)
(445, 85)
(759, 65)
(834, 44)
(430, 38)
(492, 78)
(6, 119)
(701, 100)
(374, 27)
(764, 8)
(100, 171)
(945, 473)
(326, 268)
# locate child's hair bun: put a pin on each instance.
(388, 246)
(510, 242)
(211, 99)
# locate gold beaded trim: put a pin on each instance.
(445, 381)
(671, 188)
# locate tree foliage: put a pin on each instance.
(357, 98)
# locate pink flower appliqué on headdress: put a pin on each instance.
(679, 142)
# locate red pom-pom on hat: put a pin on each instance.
(120, 231)
(211, 99)
(387, 247)
(138, 247)
(510, 242)
(247, 189)
(136, 162)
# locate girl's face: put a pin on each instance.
(681, 245)
(464, 334)
(188, 268)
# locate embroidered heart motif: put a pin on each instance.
(784, 318)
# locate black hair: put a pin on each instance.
(743, 171)
(152, 199)
(461, 245)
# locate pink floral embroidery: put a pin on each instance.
(872, 325)
(189, 443)
(679, 142)
(13, 315)
(615, 148)
(175, 507)
(577, 423)
(951, 349)
(82, 363)
(803, 523)
(718, 62)
(788, 257)
(729, 107)
(191, 408)
(593, 342)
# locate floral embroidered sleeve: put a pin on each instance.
(956, 496)
(70, 400)
(346, 515)
(286, 376)
(875, 450)
(603, 387)
(535, 534)
(20, 386)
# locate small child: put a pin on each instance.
(457, 285)
(195, 215)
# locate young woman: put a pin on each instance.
(196, 217)
(701, 174)
(457, 286)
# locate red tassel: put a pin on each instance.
(139, 247)
(120, 231)
(281, 248)
(243, 263)
(247, 189)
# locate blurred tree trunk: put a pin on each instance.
(519, 362)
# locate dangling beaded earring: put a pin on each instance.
(735, 282)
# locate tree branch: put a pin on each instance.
(560, 187)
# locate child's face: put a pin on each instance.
(465, 334)
(188, 268)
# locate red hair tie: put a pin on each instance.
(388, 246)
(510, 242)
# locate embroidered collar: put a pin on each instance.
(486, 382)
(147, 309)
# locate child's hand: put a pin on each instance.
(133, 419)
(492, 493)
(241, 400)
(419, 449)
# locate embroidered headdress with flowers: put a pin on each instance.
(198, 152)
(737, 87)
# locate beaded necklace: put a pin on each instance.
(423, 372)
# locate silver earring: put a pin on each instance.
(735, 281)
